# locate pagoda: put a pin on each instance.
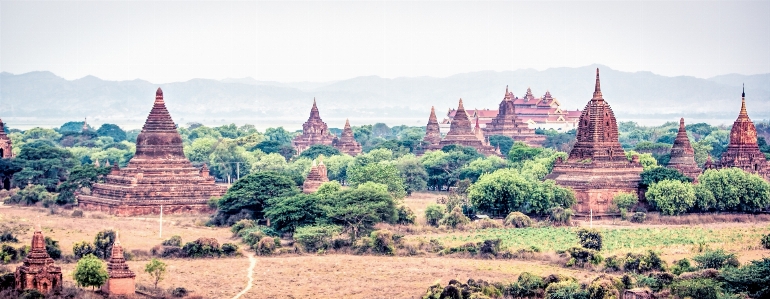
(683, 156)
(315, 177)
(597, 167)
(6, 150)
(346, 143)
(159, 175)
(460, 133)
(506, 123)
(38, 270)
(432, 131)
(314, 131)
(121, 280)
(743, 151)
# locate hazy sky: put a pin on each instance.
(324, 41)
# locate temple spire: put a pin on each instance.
(743, 114)
(681, 125)
(159, 96)
(460, 106)
(597, 88)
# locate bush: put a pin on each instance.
(31, 195)
(671, 197)
(560, 216)
(565, 290)
(580, 256)
(167, 251)
(487, 223)
(612, 263)
(590, 238)
(266, 246)
(175, 240)
(229, 249)
(765, 241)
(103, 243)
(518, 219)
(31, 294)
(203, 247)
(179, 292)
(315, 237)
(405, 215)
(752, 279)
(242, 224)
(638, 217)
(52, 247)
(642, 263)
(77, 213)
(382, 241)
(682, 266)
(8, 237)
(455, 218)
(716, 259)
(605, 287)
(9, 254)
(527, 286)
(90, 272)
(697, 288)
(434, 213)
(82, 249)
(624, 201)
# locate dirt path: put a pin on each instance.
(252, 264)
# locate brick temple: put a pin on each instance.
(121, 280)
(743, 151)
(346, 143)
(158, 175)
(38, 270)
(507, 123)
(683, 156)
(6, 148)
(315, 177)
(461, 133)
(314, 131)
(432, 130)
(597, 167)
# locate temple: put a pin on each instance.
(159, 175)
(460, 133)
(121, 280)
(743, 151)
(314, 131)
(6, 148)
(507, 123)
(683, 156)
(315, 177)
(38, 270)
(432, 130)
(597, 167)
(346, 143)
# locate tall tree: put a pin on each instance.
(113, 131)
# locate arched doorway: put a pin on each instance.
(7, 183)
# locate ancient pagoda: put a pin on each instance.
(506, 123)
(121, 279)
(743, 151)
(346, 143)
(38, 270)
(461, 133)
(6, 150)
(683, 156)
(158, 175)
(315, 177)
(432, 131)
(597, 167)
(314, 131)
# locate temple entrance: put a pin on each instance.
(6, 183)
(2, 153)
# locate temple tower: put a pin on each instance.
(683, 156)
(121, 279)
(461, 133)
(315, 177)
(743, 151)
(346, 143)
(432, 132)
(6, 148)
(38, 270)
(597, 167)
(506, 123)
(314, 131)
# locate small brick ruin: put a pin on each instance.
(506, 123)
(158, 175)
(314, 131)
(597, 167)
(683, 156)
(315, 177)
(461, 133)
(121, 279)
(743, 151)
(38, 270)
(346, 143)
(432, 130)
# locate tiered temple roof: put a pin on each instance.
(507, 123)
(158, 175)
(460, 133)
(432, 131)
(315, 177)
(346, 143)
(38, 270)
(6, 148)
(743, 151)
(597, 167)
(314, 131)
(121, 278)
(682, 154)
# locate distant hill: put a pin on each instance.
(45, 96)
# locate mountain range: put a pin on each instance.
(42, 97)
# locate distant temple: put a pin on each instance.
(6, 148)
(315, 177)
(346, 143)
(432, 130)
(38, 270)
(743, 151)
(683, 155)
(158, 175)
(460, 133)
(314, 131)
(597, 167)
(121, 280)
(507, 123)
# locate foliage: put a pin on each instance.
(202, 247)
(103, 243)
(43, 164)
(265, 246)
(156, 269)
(413, 173)
(697, 288)
(643, 263)
(682, 266)
(504, 142)
(443, 167)
(565, 290)
(657, 174)
(624, 201)
(360, 208)
(753, 279)
(434, 213)
(455, 218)
(109, 130)
(716, 259)
(590, 238)
(288, 213)
(765, 241)
(517, 219)
(316, 150)
(315, 237)
(82, 249)
(671, 197)
(383, 172)
(520, 152)
(52, 248)
(580, 256)
(505, 190)
(175, 240)
(638, 217)
(253, 192)
(83, 176)
(405, 215)
(736, 190)
(31, 195)
(476, 168)
(560, 216)
(90, 272)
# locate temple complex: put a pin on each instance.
(432, 131)
(507, 123)
(38, 270)
(743, 151)
(683, 156)
(315, 177)
(159, 175)
(121, 279)
(314, 131)
(460, 133)
(597, 167)
(346, 143)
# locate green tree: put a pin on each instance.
(156, 269)
(272, 146)
(90, 272)
(383, 172)
(646, 159)
(52, 248)
(476, 168)
(656, 174)
(113, 131)
(360, 208)
(590, 238)
(73, 126)
(270, 162)
(671, 197)
(200, 149)
(520, 152)
(43, 164)
(434, 213)
(413, 173)
(288, 213)
(279, 134)
(624, 201)
(103, 243)
(752, 279)
(504, 142)
(316, 150)
(337, 167)
(736, 190)
(505, 190)
(83, 176)
(253, 191)
(228, 160)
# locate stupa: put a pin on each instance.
(121, 279)
(460, 133)
(597, 167)
(743, 151)
(314, 131)
(506, 123)
(432, 131)
(315, 177)
(683, 156)
(38, 270)
(6, 148)
(346, 143)
(158, 175)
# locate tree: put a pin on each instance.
(288, 213)
(657, 174)
(270, 162)
(443, 167)
(156, 269)
(200, 149)
(434, 213)
(413, 173)
(90, 272)
(316, 150)
(646, 159)
(279, 134)
(476, 168)
(590, 238)
(83, 176)
(72, 126)
(224, 159)
(505, 190)
(113, 131)
(43, 164)
(735, 190)
(383, 172)
(273, 146)
(360, 208)
(504, 142)
(103, 243)
(624, 201)
(337, 167)
(520, 152)
(671, 197)
(752, 279)
(253, 191)
(52, 248)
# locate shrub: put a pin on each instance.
(8, 237)
(682, 266)
(434, 213)
(52, 247)
(9, 254)
(671, 197)
(203, 247)
(90, 272)
(229, 249)
(156, 269)
(31, 294)
(455, 218)
(565, 290)
(527, 286)
(656, 280)
(266, 246)
(405, 215)
(488, 223)
(752, 279)
(638, 217)
(314, 237)
(697, 288)
(518, 219)
(489, 247)
(31, 195)
(624, 201)
(605, 287)
(82, 249)
(179, 292)
(716, 259)
(175, 240)
(580, 256)
(103, 243)
(590, 238)
(382, 241)
(765, 241)
(77, 213)
(612, 263)
(642, 263)
(560, 216)
(167, 251)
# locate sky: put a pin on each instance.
(322, 41)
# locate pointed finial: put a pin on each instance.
(460, 106)
(117, 237)
(314, 163)
(159, 96)
(743, 94)
(506, 89)
(597, 88)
